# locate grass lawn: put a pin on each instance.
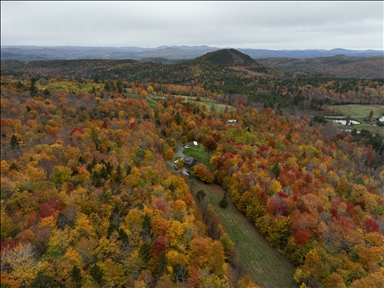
(359, 112)
(198, 153)
(208, 104)
(266, 266)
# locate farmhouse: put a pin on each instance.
(189, 161)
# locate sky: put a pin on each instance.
(228, 24)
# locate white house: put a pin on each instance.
(232, 121)
(195, 144)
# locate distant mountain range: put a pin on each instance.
(160, 54)
(339, 65)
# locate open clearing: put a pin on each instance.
(208, 104)
(267, 267)
(359, 112)
(198, 153)
(74, 87)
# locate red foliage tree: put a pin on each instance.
(76, 129)
(161, 205)
(160, 244)
(370, 225)
(302, 236)
(46, 210)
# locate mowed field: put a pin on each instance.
(359, 112)
(208, 104)
(267, 267)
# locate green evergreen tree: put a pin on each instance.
(178, 118)
(276, 169)
(200, 195)
(161, 266)
(97, 274)
(145, 253)
(43, 281)
(224, 201)
(119, 174)
(14, 142)
(146, 224)
(33, 89)
(46, 93)
(76, 276)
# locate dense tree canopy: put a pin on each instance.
(85, 186)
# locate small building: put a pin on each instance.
(232, 121)
(186, 173)
(195, 144)
(189, 161)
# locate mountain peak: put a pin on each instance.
(228, 57)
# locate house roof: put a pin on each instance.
(188, 160)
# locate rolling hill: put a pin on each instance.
(225, 72)
(340, 65)
(215, 66)
(227, 57)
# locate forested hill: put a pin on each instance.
(90, 67)
(228, 57)
(225, 72)
(340, 65)
(216, 67)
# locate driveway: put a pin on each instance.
(179, 152)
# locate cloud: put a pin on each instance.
(270, 25)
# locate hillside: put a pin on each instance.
(221, 74)
(85, 186)
(208, 70)
(227, 57)
(340, 66)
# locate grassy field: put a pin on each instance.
(208, 104)
(359, 112)
(76, 87)
(198, 153)
(267, 267)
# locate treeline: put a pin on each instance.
(286, 89)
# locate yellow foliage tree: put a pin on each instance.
(22, 263)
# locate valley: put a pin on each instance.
(86, 185)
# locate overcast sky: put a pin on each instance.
(259, 25)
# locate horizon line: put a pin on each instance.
(192, 46)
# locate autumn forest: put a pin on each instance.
(90, 195)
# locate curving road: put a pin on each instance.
(179, 152)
